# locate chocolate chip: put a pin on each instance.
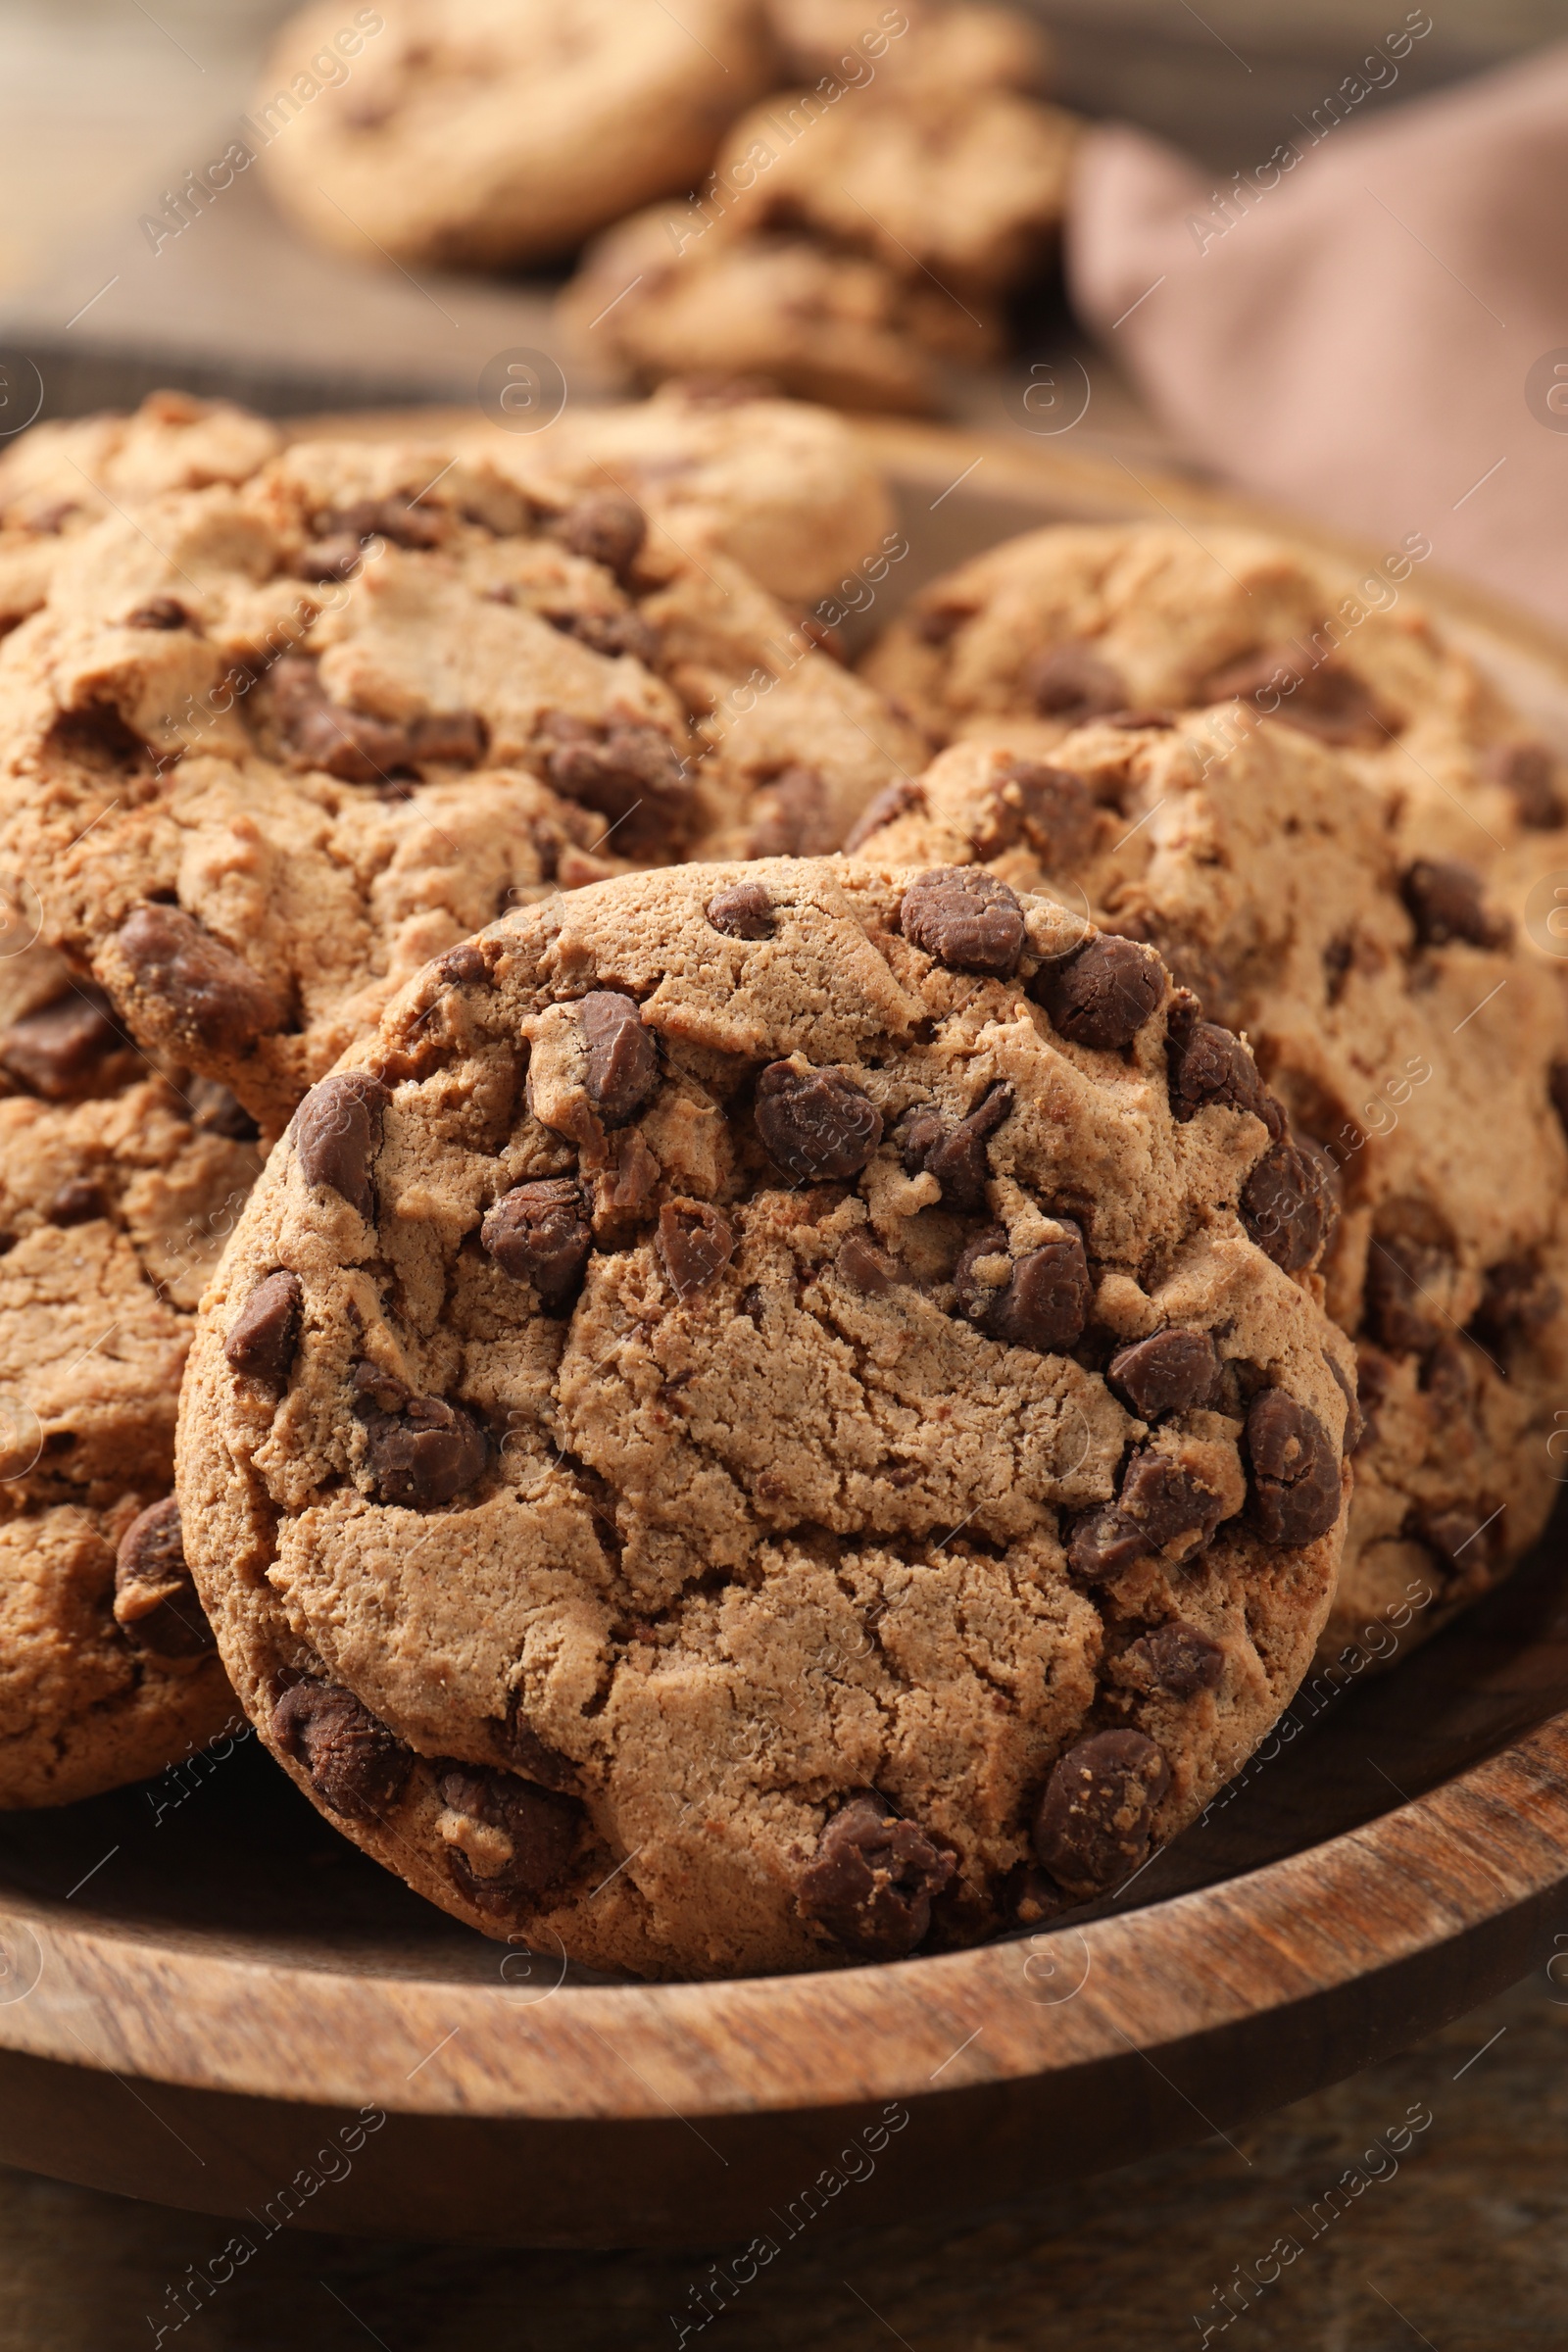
(215, 1111)
(631, 773)
(866, 1269)
(1296, 1471)
(78, 1202)
(1049, 807)
(1181, 1659)
(526, 1753)
(1355, 1427)
(1103, 995)
(1443, 901)
(612, 634)
(1169, 1372)
(1166, 1504)
(794, 816)
(1404, 1278)
(1210, 1065)
(1288, 1204)
(1529, 772)
(337, 1133)
(338, 558)
(873, 1878)
(939, 624)
(160, 612)
(1515, 1303)
(958, 1159)
(156, 1606)
(1324, 699)
(607, 527)
(449, 739)
(60, 1051)
(399, 518)
(743, 912)
(1102, 1543)
(266, 1330)
(354, 746)
(1070, 682)
(816, 1125)
(898, 799)
(1044, 1303)
(965, 919)
(540, 1233)
(206, 994)
(425, 1454)
(696, 1245)
(537, 1834)
(355, 1763)
(1095, 1818)
(622, 1056)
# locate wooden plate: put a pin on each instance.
(208, 1999)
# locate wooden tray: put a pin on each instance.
(208, 1999)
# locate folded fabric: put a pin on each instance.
(1371, 324)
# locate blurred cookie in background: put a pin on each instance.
(947, 43)
(485, 133)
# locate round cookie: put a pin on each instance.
(117, 1194)
(481, 133)
(1078, 622)
(728, 1438)
(268, 750)
(61, 477)
(1405, 1029)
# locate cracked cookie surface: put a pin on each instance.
(268, 749)
(727, 1440)
(1410, 1036)
(117, 1194)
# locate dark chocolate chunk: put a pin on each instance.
(744, 911)
(402, 519)
(609, 633)
(464, 966)
(1051, 808)
(1355, 1427)
(1516, 1302)
(217, 1111)
(337, 1133)
(159, 613)
(866, 1268)
(696, 1245)
(1165, 1503)
(1104, 1543)
(1103, 995)
(1169, 1372)
(1445, 903)
(1289, 1203)
(816, 1125)
(631, 773)
(357, 1765)
(526, 1753)
(1404, 1282)
(1182, 1660)
(1529, 772)
(540, 1831)
(156, 1606)
(873, 1878)
(1296, 1471)
(607, 527)
(1325, 699)
(965, 919)
(540, 1233)
(622, 1055)
(425, 1455)
(1211, 1065)
(959, 1159)
(895, 799)
(78, 1202)
(202, 991)
(1095, 1818)
(1046, 1303)
(1071, 682)
(794, 816)
(267, 1329)
(60, 1051)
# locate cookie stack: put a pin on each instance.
(753, 1403)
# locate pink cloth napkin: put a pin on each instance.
(1372, 335)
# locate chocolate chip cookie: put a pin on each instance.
(117, 1194)
(749, 1428)
(1070, 623)
(1414, 1042)
(481, 133)
(267, 750)
(846, 243)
